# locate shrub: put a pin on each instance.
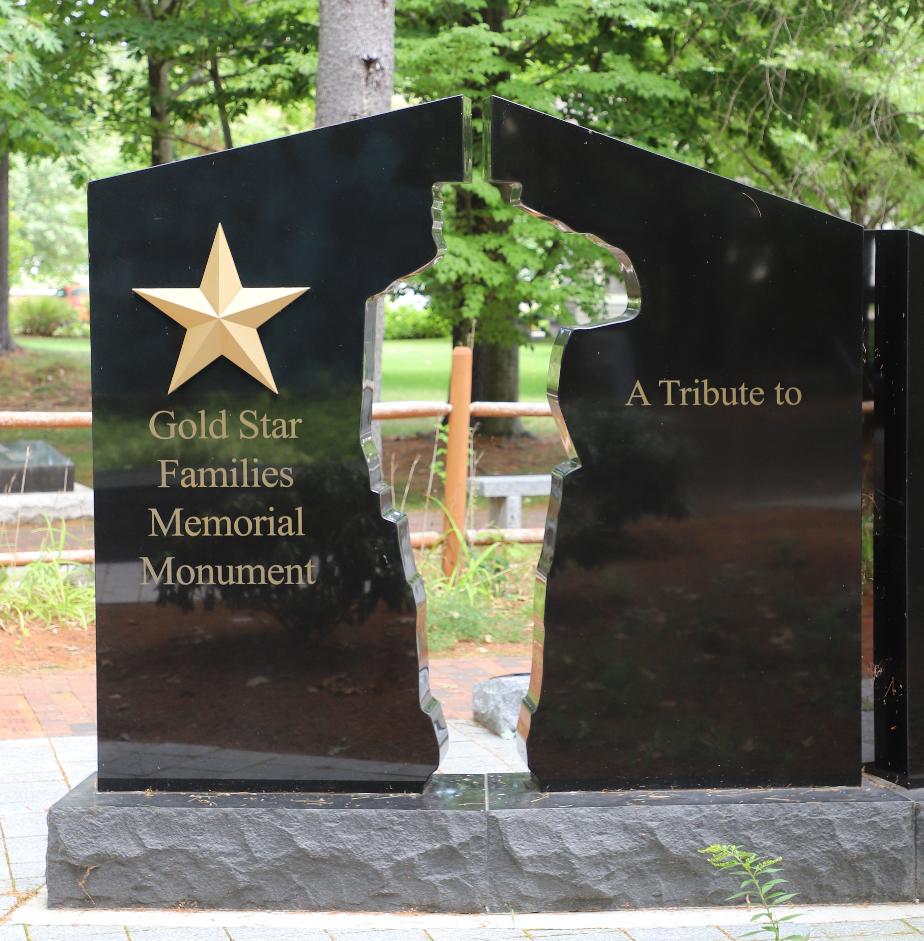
(49, 592)
(77, 329)
(44, 317)
(404, 322)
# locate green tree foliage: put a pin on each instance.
(42, 93)
(44, 98)
(181, 71)
(51, 223)
(822, 101)
(503, 269)
(819, 100)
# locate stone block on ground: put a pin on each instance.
(496, 702)
(638, 850)
(471, 843)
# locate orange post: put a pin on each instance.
(460, 398)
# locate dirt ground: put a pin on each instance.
(75, 649)
(526, 454)
(46, 649)
(61, 383)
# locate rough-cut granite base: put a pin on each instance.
(496, 702)
(471, 844)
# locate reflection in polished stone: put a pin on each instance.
(698, 609)
(442, 792)
(260, 621)
(524, 792)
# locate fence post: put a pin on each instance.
(460, 398)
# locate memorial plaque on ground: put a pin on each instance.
(34, 467)
(700, 581)
(259, 617)
(899, 555)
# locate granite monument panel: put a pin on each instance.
(898, 264)
(698, 610)
(259, 617)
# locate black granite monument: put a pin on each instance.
(259, 617)
(898, 266)
(698, 612)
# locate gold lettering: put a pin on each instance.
(164, 527)
(638, 391)
(178, 524)
(248, 421)
(152, 425)
(668, 383)
(167, 471)
(158, 577)
(704, 393)
(171, 573)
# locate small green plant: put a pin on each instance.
(485, 600)
(867, 518)
(760, 884)
(50, 591)
(45, 317)
(438, 464)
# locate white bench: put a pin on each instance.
(505, 494)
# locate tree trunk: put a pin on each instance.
(496, 378)
(159, 101)
(356, 65)
(219, 91)
(6, 337)
(356, 59)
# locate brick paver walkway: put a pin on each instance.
(452, 679)
(48, 702)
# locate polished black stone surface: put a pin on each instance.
(34, 467)
(524, 792)
(484, 793)
(700, 581)
(442, 792)
(899, 551)
(252, 685)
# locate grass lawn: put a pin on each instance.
(55, 345)
(419, 369)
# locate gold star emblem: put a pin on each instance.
(221, 317)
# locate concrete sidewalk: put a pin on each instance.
(35, 772)
(34, 922)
